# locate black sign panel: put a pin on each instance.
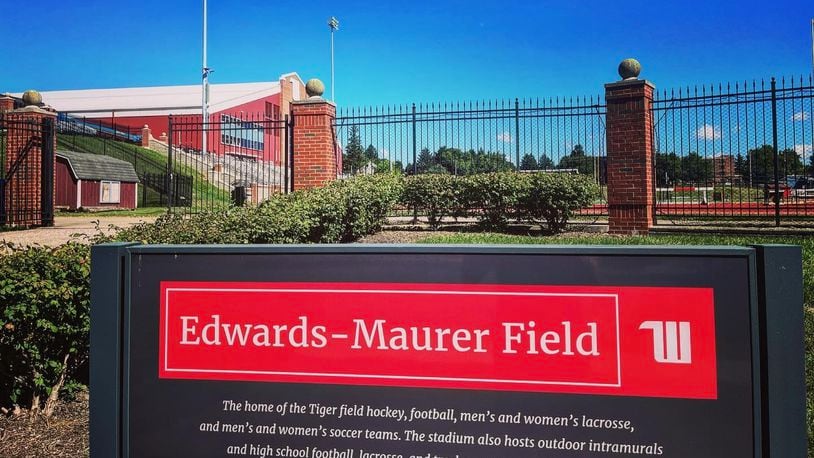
(437, 352)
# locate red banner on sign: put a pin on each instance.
(626, 341)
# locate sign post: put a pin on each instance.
(446, 351)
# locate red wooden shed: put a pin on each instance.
(92, 181)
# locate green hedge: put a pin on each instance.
(340, 212)
(495, 199)
(433, 194)
(550, 199)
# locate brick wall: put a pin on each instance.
(314, 149)
(630, 157)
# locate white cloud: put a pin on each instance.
(800, 116)
(505, 137)
(708, 132)
(802, 149)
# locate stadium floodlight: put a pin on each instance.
(333, 24)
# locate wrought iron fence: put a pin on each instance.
(554, 134)
(739, 151)
(121, 142)
(230, 160)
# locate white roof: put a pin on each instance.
(158, 100)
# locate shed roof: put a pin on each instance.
(86, 166)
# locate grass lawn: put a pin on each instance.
(806, 242)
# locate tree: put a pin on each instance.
(484, 162)
(545, 162)
(453, 160)
(695, 169)
(790, 163)
(742, 167)
(578, 160)
(528, 162)
(370, 153)
(424, 161)
(382, 166)
(353, 158)
(763, 163)
(668, 166)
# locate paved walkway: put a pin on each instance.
(67, 228)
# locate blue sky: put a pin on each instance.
(405, 51)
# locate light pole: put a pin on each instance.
(204, 87)
(333, 24)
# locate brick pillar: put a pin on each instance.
(25, 135)
(314, 151)
(6, 103)
(145, 136)
(630, 156)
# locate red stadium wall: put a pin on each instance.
(250, 111)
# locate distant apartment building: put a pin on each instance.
(723, 167)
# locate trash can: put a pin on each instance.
(239, 196)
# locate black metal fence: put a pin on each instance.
(739, 151)
(121, 142)
(26, 171)
(231, 160)
(555, 134)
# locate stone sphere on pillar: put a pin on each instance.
(32, 97)
(314, 88)
(629, 69)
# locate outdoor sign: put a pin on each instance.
(370, 352)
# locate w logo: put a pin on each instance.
(671, 341)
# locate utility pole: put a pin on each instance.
(204, 88)
(333, 24)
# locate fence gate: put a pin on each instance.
(26, 171)
(233, 159)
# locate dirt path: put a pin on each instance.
(67, 228)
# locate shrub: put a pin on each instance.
(494, 195)
(369, 200)
(340, 212)
(280, 220)
(45, 319)
(550, 199)
(431, 194)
